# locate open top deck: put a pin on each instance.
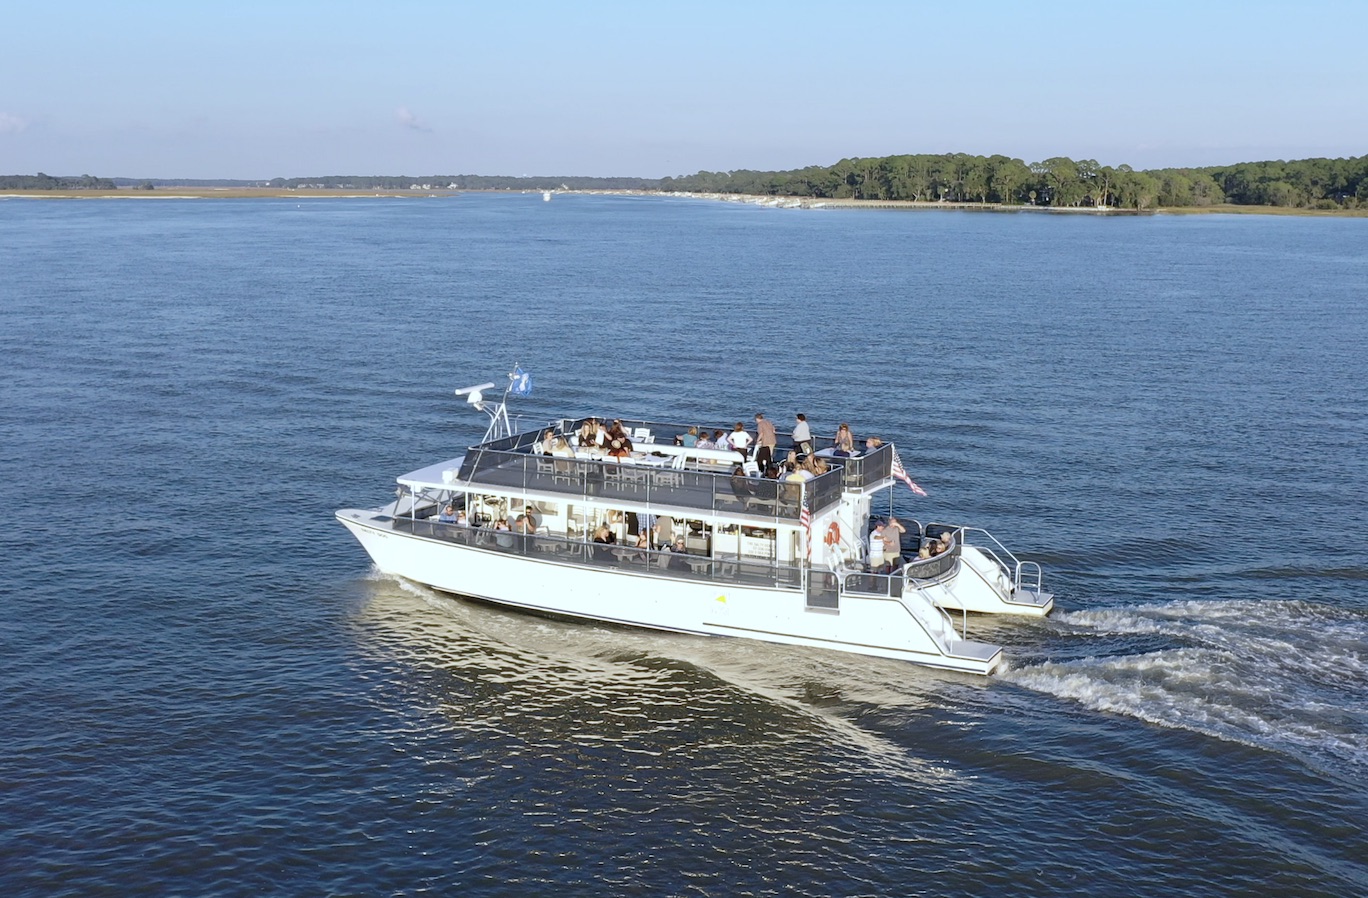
(657, 472)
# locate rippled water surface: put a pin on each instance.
(209, 691)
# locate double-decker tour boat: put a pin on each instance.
(693, 540)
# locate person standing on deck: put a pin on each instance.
(892, 543)
(802, 436)
(739, 440)
(765, 441)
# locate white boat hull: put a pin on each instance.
(906, 628)
(981, 586)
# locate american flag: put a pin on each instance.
(901, 473)
(805, 518)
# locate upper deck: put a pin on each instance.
(660, 474)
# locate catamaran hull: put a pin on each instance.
(881, 626)
(982, 586)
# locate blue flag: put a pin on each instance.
(522, 382)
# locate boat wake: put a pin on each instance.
(544, 667)
(1287, 676)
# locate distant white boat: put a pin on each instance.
(546, 196)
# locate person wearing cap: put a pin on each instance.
(876, 548)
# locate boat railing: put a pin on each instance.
(887, 585)
(935, 567)
(1027, 574)
(656, 432)
(859, 472)
(502, 466)
(568, 550)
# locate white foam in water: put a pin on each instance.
(1287, 676)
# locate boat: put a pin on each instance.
(689, 540)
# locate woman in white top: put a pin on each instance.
(739, 439)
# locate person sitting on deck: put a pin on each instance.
(678, 556)
(741, 485)
(561, 449)
(843, 442)
(448, 515)
(872, 444)
(690, 438)
(643, 541)
(604, 540)
(720, 440)
(704, 442)
(619, 445)
(546, 443)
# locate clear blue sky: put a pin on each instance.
(284, 89)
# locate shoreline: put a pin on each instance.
(780, 202)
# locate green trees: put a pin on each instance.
(1058, 181)
(42, 181)
(1305, 182)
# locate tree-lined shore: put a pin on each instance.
(960, 178)
(1326, 184)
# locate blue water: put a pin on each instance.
(208, 691)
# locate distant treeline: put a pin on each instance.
(465, 182)
(41, 181)
(961, 178)
(951, 177)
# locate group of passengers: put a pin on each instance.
(885, 546)
(934, 546)
(552, 443)
(612, 440)
(653, 534)
(596, 438)
(525, 523)
(794, 469)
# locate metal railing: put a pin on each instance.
(630, 559)
(1016, 571)
(935, 567)
(887, 585)
(859, 472)
(505, 465)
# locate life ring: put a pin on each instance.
(833, 534)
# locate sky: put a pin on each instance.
(289, 88)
